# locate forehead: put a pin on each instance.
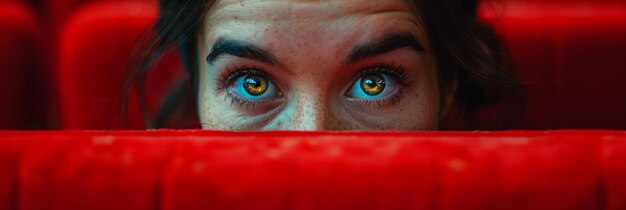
(302, 14)
(307, 9)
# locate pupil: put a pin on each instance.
(373, 84)
(255, 85)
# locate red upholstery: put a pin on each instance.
(57, 11)
(571, 58)
(54, 14)
(95, 48)
(579, 2)
(290, 170)
(21, 91)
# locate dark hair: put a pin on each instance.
(471, 61)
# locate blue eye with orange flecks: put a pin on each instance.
(254, 87)
(372, 86)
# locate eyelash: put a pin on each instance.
(233, 72)
(391, 69)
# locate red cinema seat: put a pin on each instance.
(95, 49)
(574, 170)
(57, 11)
(54, 14)
(580, 2)
(570, 57)
(22, 93)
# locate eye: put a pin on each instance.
(253, 87)
(373, 86)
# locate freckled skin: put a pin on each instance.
(310, 39)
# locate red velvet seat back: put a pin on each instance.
(95, 52)
(54, 14)
(57, 11)
(571, 58)
(22, 93)
(188, 170)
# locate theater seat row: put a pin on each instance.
(94, 51)
(94, 170)
(569, 56)
(94, 45)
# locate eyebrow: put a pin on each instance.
(240, 49)
(383, 45)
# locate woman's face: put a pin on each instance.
(316, 65)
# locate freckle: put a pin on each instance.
(298, 112)
(381, 127)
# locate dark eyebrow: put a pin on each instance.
(383, 45)
(239, 49)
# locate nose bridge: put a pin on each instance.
(310, 112)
